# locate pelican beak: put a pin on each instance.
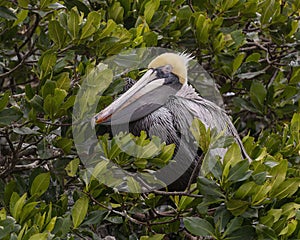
(145, 96)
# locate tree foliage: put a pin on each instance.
(250, 47)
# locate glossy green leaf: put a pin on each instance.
(57, 33)
(264, 232)
(198, 226)
(40, 184)
(295, 127)
(79, 211)
(7, 13)
(150, 8)
(25, 131)
(39, 236)
(10, 115)
(258, 94)
(237, 207)
(47, 62)
(72, 167)
(272, 216)
(48, 88)
(286, 188)
(245, 190)
(63, 81)
(45, 3)
(65, 144)
(201, 135)
(239, 172)
(116, 12)
(268, 10)
(27, 210)
(91, 26)
(23, 3)
(278, 172)
(16, 208)
(233, 225)
(203, 25)
(133, 185)
(4, 100)
(73, 23)
(237, 62)
(21, 16)
(153, 237)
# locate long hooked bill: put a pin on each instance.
(146, 95)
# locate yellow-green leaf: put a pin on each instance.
(40, 184)
(79, 211)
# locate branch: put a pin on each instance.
(190, 4)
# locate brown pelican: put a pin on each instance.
(163, 104)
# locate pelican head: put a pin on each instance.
(166, 74)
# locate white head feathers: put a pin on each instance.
(179, 63)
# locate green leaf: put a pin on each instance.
(37, 103)
(237, 207)
(272, 216)
(63, 81)
(79, 211)
(268, 10)
(233, 225)
(198, 226)
(91, 26)
(116, 12)
(72, 167)
(25, 131)
(258, 94)
(286, 188)
(295, 78)
(239, 172)
(278, 173)
(232, 157)
(184, 202)
(254, 57)
(203, 25)
(237, 62)
(290, 228)
(201, 135)
(4, 100)
(57, 33)
(40, 184)
(150, 8)
(39, 236)
(50, 226)
(16, 208)
(10, 115)
(260, 193)
(295, 127)
(153, 237)
(7, 14)
(22, 15)
(52, 103)
(209, 188)
(133, 185)
(65, 144)
(245, 190)
(250, 75)
(47, 62)
(73, 23)
(227, 4)
(44, 4)
(110, 26)
(27, 210)
(238, 37)
(23, 3)
(48, 88)
(264, 232)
